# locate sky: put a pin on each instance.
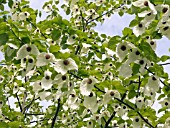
(111, 27)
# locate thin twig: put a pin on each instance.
(139, 86)
(19, 103)
(55, 116)
(165, 63)
(109, 120)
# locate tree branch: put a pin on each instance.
(19, 103)
(55, 116)
(109, 120)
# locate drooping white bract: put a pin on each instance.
(165, 10)
(153, 83)
(100, 2)
(136, 122)
(15, 88)
(15, 17)
(165, 30)
(140, 102)
(165, 103)
(90, 102)
(148, 17)
(122, 50)
(152, 43)
(64, 65)
(87, 85)
(110, 94)
(133, 55)
(46, 81)
(139, 29)
(23, 16)
(125, 70)
(61, 80)
(85, 48)
(71, 40)
(48, 8)
(145, 4)
(44, 95)
(51, 42)
(37, 86)
(44, 59)
(14, 6)
(27, 50)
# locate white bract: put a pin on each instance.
(87, 85)
(46, 81)
(23, 16)
(44, 59)
(64, 65)
(27, 50)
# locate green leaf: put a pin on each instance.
(10, 3)
(56, 34)
(3, 125)
(133, 23)
(2, 7)
(3, 38)
(164, 58)
(131, 94)
(149, 53)
(25, 40)
(113, 41)
(127, 31)
(54, 48)
(135, 68)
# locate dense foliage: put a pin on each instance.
(85, 78)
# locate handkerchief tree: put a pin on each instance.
(85, 79)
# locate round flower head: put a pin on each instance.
(100, 2)
(63, 65)
(46, 81)
(44, 59)
(27, 50)
(165, 103)
(30, 63)
(87, 85)
(1, 78)
(142, 62)
(15, 88)
(90, 124)
(90, 12)
(61, 80)
(139, 29)
(90, 101)
(49, 30)
(122, 50)
(140, 102)
(125, 70)
(48, 8)
(23, 15)
(153, 83)
(75, 10)
(37, 86)
(14, 6)
(165, 30)
(152, 43)
(148, 17)
(133, 55)
(108, 66)
(144, 4)
(164, 9)
(51, 42)
(110, 94)
(71, 40)
(136, 122)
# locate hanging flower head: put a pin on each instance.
(46, 81)
(87, 85)
(48, 8)
(23, 16)
(27, 50)
(63, 65)
(44, 59)
(139, 29)
(61, 80)
(145, 4)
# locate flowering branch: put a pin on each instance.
(55, 116)
(139, 86)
